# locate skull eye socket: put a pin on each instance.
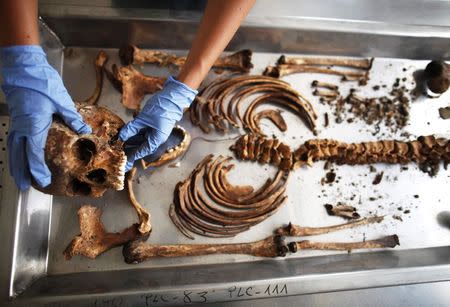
(84, 149)
(97, 175)
(81, 188)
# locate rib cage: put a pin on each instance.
(220, 103)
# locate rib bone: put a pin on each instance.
(219, 104)
(233, 208)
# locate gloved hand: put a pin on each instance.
(34, 92)
(154, 123)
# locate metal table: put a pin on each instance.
(32, 269)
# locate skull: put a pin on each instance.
(85, 164)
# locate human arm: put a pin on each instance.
(34, 92)
(154, 123)
(217, 27)
(19, 22)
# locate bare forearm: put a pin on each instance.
(218, 25)
(19, 22)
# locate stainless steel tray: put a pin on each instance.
(43, 226)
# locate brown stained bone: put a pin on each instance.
(138, 251)
(145, 225)
(273, 115)
(292, 230)
(325, 93)
(85, 165)
(347, 75)
(171, 153)
(226, 209)
(383, 242)
(99, 63)
(239, 61)
(133, 85)
(323, 61)
(342, 210)
(266, 151)
(426, 151)
(272, 246)
(220, 103)
(94, 239)
(444, 113)
(329, 86)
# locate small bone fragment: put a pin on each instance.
(326, 120)
(292, 230)
(144, 217)
(274, 116)
(378, 178)
(239, 61)
(327, 61)
(342, 210)
(138, 251)
(322, 93)
(444, 113)
(133, 85)
(329, 86)
(383, 242)
(94, 240)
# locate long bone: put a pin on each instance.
(287, 69)
(355, 63)
(272, 246)
(292, 230)
(239, 61)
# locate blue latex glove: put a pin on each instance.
(34, 92)
(155, 122)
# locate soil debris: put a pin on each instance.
(378, 178)
(444, 113)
